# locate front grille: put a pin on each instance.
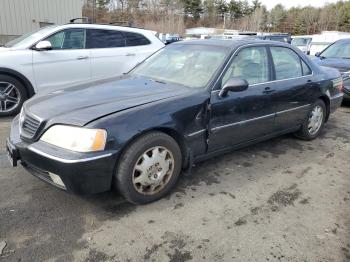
(29, 126)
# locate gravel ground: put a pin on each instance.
(281, 200)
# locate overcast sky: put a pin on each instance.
(290, 3)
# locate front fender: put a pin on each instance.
(184, 116)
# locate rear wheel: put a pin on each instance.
(12, 95)
(149, 168)
(314, 122)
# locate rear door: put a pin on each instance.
(67, 63)
(243, 116)
(114, 52)
(292, 88)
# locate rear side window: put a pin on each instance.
(288, 64)
(134, 39)
(68, 39)
(97, 38)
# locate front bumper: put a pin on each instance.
(82, 173)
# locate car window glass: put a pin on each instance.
(189, 65)
(97, 38)
(287, 63)
(306, 68)
(134, 39)
(68, 39)
(250, 64)
(337, 50)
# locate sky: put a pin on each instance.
(291, 3)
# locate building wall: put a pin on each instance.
(18, 17)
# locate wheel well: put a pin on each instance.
(327, 102)
(170, 132)
(24, 81)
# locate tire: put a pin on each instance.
(305, 132)
(8, 106)
(142, 154)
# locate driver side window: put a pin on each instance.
(250, 64)
(68, 39)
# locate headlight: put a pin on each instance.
(77, 139)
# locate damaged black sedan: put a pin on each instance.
(188, 102)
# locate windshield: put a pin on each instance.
(189, 65)
(300, 41)
(337, 50)
(28, 38)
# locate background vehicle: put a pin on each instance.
(284, 38)
(337, 55)
(321, 41)
(57, 56)
(303, 43)
(200, 98)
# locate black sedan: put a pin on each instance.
(337, 55)
(188, 102)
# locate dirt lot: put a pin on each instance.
(281, 200)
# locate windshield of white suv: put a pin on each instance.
(189, 65)
(28, 38)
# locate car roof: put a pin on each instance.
(345, 40)
(229, 43)
(106, 27)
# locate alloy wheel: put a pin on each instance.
(315, 120)
(10, 97)
(153, 170)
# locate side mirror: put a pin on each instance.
(318, 54)
(43, 46)
(234, 85)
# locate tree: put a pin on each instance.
(235, 9)
(276, 17)
(221, 7)
(193, 9)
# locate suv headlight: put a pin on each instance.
(79, 139)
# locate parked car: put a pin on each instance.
(284, 38)
(321, 41)
(57, 56)
(337, 55)
(303, 43)
(188, 102)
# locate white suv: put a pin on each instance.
(56, 56)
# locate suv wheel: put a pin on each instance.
(149, 168)
(12, 95)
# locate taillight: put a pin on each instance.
(338, 84)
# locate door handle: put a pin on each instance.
(82, 57)
(130, 54)
(268, 90)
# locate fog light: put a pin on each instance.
(57, 180)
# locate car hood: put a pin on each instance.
(80, 105)
(343, 65)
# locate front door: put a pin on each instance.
(66, 64)
(243, 116)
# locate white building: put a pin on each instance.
(18, 17)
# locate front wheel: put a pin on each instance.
(12, 95)
(314, 122)
(148, 168)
